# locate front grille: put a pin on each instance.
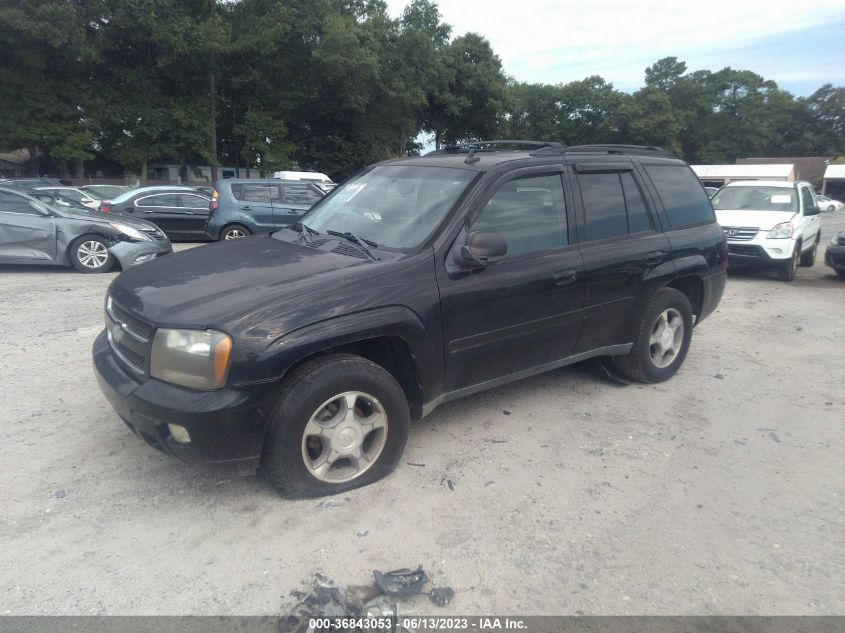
(154, 233)
(740, 233)
(129, 337)
(740, 249)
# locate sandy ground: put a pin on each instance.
(719, 492)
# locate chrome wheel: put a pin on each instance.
(344, 437)
(234, 234)
(667, 336)
(92, 254)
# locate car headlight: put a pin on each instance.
(784, 230)
(198, 359)
(128, 231)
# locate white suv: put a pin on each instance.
(770, 223)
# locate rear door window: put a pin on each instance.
(604, 205)
(683, 197)
(256, 193)
(194, 202)
(164, 200)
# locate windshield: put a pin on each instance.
(756, 199)
(396, 206)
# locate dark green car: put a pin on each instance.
(241, 207)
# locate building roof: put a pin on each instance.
(743, 171)
(809, 168)
(834, 172)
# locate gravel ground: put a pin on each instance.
(721, 491)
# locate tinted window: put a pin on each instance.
(166, 200)
(807, 200)
(682, 195)
(194, 202)
(301, 194)
(255, 193)
(604, 205)
(638, 218)
(237, 191)
(528, 212)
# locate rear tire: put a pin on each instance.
(809, 258)
(662, 340)
(340, 422)
(234, 232)
(787, 271)
(90, 254)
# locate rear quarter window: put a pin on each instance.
(683, 197)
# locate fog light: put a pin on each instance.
(180, 433)
(775, 251)
(144, 258)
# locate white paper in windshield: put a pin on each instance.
(781, 199)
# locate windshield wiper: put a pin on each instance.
(305, 232)
(359, 241)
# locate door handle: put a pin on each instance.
(246, 207)
(564, 277)
(652, 259)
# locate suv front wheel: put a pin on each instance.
(340, 422)
(662, 340)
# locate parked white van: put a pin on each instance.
(313, 176)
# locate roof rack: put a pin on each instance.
(487, 146)
(625, 150)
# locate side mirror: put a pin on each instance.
(812, 211)
(479, 248)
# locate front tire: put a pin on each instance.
(787, 271)
(662, 340)
(340, 422)
(809, 258)
(90, 254)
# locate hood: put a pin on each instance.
(214, 284)
(763, 220)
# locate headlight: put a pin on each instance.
(128, 231)
(785, 230)
(192, 358)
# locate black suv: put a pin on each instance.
(308, 351)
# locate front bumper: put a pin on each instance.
(835, 256)
(760, 252)
(131, 254)
(225, 425)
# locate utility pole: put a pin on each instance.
(212, 94)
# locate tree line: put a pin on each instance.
(334, 85)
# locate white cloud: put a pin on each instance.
(556, 42)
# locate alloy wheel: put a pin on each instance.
(92, 254)
(667, 336)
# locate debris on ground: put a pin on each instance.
(325, 600)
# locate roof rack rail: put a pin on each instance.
(625, 150)
(464, 148)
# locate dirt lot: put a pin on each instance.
(721, 491)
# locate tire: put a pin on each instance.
(809, 258)
(89, 254)
(234, 232)
(645, 363)
(840, 272)
(307, 454)
(786, 272)
(830, 209)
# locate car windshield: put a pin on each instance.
(756, 199)
(395, 206)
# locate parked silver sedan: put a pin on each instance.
(35, 231)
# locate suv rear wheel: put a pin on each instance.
(663, 338)
(234, 232)
(340, 422)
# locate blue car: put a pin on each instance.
(241, 207)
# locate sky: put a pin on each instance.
(800, 45)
